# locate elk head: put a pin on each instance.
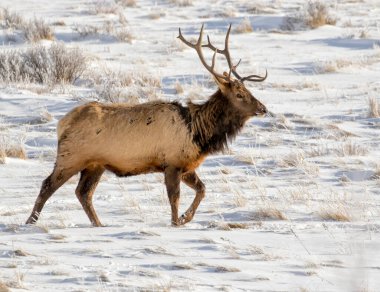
(232, 88)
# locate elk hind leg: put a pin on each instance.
(86, 187)
(192, 180)
(52, 183)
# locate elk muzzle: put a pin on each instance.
(261, 110)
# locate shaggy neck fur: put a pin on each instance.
(214, 123)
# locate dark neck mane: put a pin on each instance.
(214, 123)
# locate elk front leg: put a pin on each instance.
(192, 180)
(172, 182)
(89, 179)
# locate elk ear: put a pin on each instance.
(223, 85)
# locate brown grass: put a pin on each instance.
(227, 225)
(237, 225)
(16, 151)
(2, 156)
(335, 216)
(351, 148)
(318, 15)
(269, 213)
(127, 3)
(178, 87)
(182, 3)
(373, 108)
(224, 269)
(314, 15)
(104, 7)
(244, 27)
(4, 287)
(36, 30)
(59, 23)
(335, 213)
(376, 174)
(11, 19)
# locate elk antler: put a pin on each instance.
(225, 52)
(198, 49)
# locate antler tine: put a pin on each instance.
(198, 48)
(225, 52)
(255, 78)
(234, 68)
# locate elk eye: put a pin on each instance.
(239, 96)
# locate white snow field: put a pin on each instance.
(293, 206)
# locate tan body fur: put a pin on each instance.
(125, 139)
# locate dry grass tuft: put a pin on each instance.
(121, 86)
(2, 156)
(227, 225)
(59, 23)
(176, 46)
(224, 269)
(182, 3)
(244, 27)
(351, 148)
(314, 15)
(183, 266)
(318, 15)
(16, 151)
(373, 108)
(269, 213)
(104, 7)
(10, 19)
(294, 159)
(297, 160)
(4, 287)
(38, 64)
(36, 30)
(109, 29)
(178, 87)
(237, 225)
(20, 253)
(156, 15)
(85, 31)
(376, 174)
(332, 66)
(32, 30)
(337, 213)
(11, 147)
(127, 3)
(124, 35)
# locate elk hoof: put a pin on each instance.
(186, 217)
(176, 223)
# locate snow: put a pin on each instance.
(265, 222)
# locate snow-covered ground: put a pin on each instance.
(293, 206)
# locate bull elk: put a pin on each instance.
(151, 137)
